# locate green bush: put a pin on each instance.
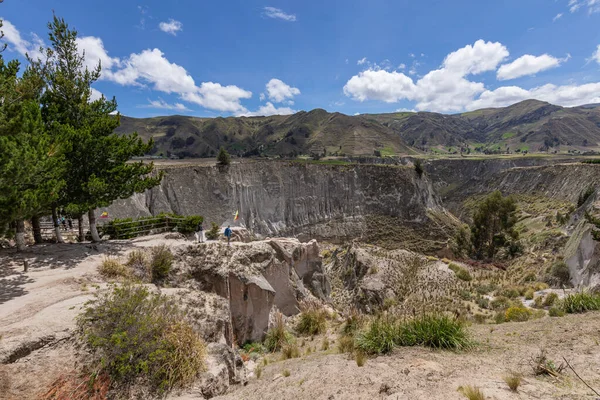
(529, 294)
(460, 272)
(556, 312)
(223, 158)
(560, 273)
(128, 228)
(500, 303)
(135, 335)
(313, 320)
(213, 233)
(431, 330)
(518, 314)
(550, 299)
(580, 302)
(161, 262)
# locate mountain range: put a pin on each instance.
(528, 126)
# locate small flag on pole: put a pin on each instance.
(236, 216)
(104, 214)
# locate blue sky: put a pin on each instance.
(209, 58)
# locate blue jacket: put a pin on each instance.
(228, 232)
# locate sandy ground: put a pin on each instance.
(38, 307)
(420, 374)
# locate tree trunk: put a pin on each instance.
(93, 230)
(80, 227)
(37, 230)
(57, 233)
(20, 235)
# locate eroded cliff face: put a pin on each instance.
(289, 198)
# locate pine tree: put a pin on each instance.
(223, 158)
(99, 167)
(31, 162)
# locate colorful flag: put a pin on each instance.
(104, 214)
(236, 216)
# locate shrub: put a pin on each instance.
(140, 266)
(529, 294)
(419, 167)
(510, 292)
(380, 336)
(360, 358)
(135, 334)
(290, 350)
(550, 299)
(112, 268)
(542, 365)
(517, 314)
(437, 331)
(433, 330)
(493, 225)
(513, 380)
(538, 301)
(483, 302)
(560, 273)
(213, 233)
(500, 317)
(580, 302)
(556, 312)
(345, 344)
(354, 322)
(313, 319)
(460, 272)
(277, 336)
(286, 373)
(500, 303)
(472, 392)
(161, 262)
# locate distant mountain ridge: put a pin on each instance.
(528, 126)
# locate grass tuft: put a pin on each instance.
(313, 319)
(513, 380)
(278, 336)
(472, 392)
(161, 262)
(360, 358)
(580, 302)
(112, 268)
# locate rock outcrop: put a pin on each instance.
(255, 278)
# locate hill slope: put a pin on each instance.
(530, 125)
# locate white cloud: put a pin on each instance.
(22, 46)
(278, 91)
(402, 66)
(96, 94)
(379, 85)
(160, 103)
(448, 88)
(592, 6)
(596, 55)
(361, 61)
(268, 109)
(277, 13)
(171, 27)
(528, 65)
(262, 97)
(95, 53)
(217, 97)
(557, 17)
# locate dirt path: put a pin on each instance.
(422, 374)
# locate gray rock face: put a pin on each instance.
(254, 277)
(288, 198)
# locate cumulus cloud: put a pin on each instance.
(93, 50)
(96, 94)
(278, 91)
(171, 27)
(268, 109)
(451, 88)
(22, 46)
(276, 13)
(160, 103)
(528, 65)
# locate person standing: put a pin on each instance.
(228, 234)
(199, 233)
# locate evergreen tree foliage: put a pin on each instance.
(223, 158)
(99, 169)
(493, 223)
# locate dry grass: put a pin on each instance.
(258, 371)
(472, 392)
(290, 351)
(77, 386)
(139, 263)
(278, 336)
(313, 319)
(345, 344)
(286, 373)
(112, 268)
(542, 365)
(513, 380)
(325, 344)
(360, 358)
